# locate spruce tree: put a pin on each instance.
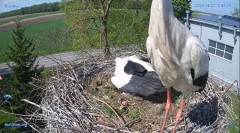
(23, 55)
(24, 69)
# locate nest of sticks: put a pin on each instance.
(67, 107)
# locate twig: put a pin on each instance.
(119, 117)
(129, 124)
(125, 131)
(25, 100)
(12, 113)
(30, 125)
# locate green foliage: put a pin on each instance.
(130, 24)
(86, 24)
(24, 70)
(128, 4)
(89, 20)
(125, 27)
(180, 7)
(23, 56)
(127, 22)
(45, 7)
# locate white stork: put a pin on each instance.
(136, 76)
(180, 59)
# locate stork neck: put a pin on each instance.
(164, 9)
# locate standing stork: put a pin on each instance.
(180, 59)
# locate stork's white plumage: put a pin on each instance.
(135, 75)
(177, 55)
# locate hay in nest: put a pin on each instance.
(68, 107)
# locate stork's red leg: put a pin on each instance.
(178, 115)
(167, 108)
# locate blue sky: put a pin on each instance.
(221, 7)
(8, 5)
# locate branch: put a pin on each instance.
(25, 100)
(108, 7)
(129, 124)
(119, 117)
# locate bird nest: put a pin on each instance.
(68, 105)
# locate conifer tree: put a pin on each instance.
(23, 56)
(24, 67)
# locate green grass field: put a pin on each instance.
(234, 126)
(8, 118)
(5, 119)
(9, 19)
(49, 38)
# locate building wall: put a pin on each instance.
(219, 67)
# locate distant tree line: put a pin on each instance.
(45, 7)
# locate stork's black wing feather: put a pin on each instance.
(135, 69)
(144, 85)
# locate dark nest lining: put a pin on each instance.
(204, 113)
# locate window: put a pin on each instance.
(220, 50)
